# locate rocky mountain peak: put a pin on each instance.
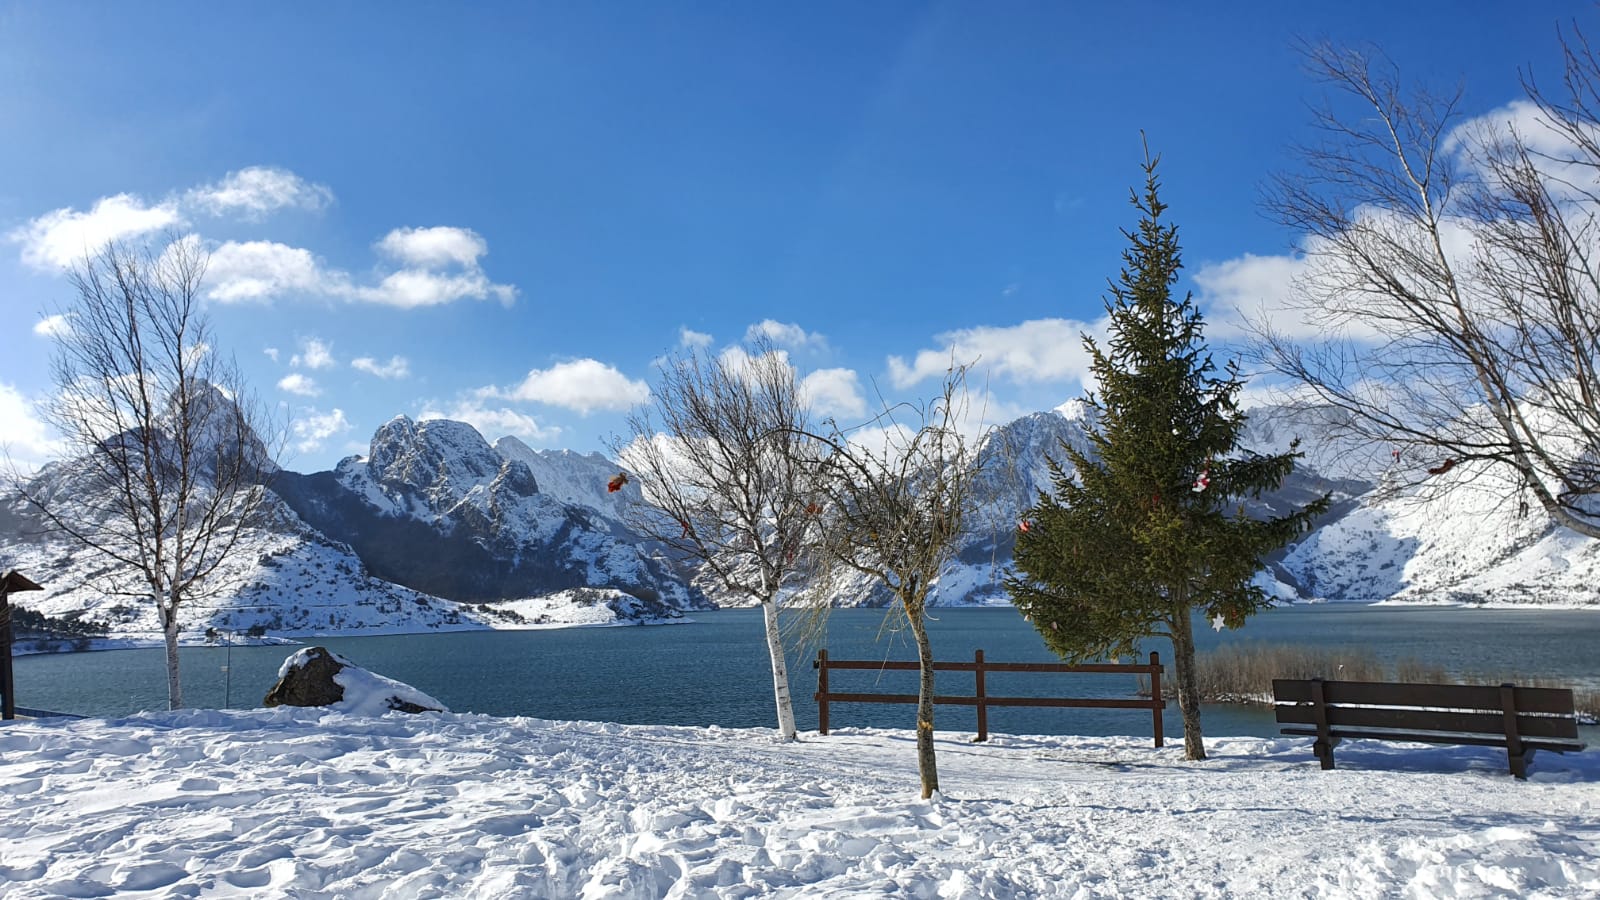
(439, 458)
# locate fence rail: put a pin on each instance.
(980, 697)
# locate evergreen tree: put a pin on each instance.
(1135, 540)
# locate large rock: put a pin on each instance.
(317, 677)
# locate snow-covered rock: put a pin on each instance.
(316, 676)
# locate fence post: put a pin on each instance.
(983, 704)
(822, 691)
(1155, 696)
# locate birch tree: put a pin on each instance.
(1451, 281)
(168, 468)
(721, 454)
(897, 512)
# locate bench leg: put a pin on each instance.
(1519, 762)
(1324, 751)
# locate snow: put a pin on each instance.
(323, 803)
(1457, 540)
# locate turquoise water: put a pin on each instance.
(714, 671)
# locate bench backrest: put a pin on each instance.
(1452, 708)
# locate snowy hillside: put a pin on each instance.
(1454, 539)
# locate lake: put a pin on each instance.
(713, 670)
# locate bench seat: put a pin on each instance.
(1522, 720)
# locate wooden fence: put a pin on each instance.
(981, 698)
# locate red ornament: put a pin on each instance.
(1024, 526)
(1202, 482)
(616, 483)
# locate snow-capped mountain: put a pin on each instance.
(434, 507)
(578, 479)
(1015, 470)
(434, 530)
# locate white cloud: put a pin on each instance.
(422, 253)
(258, 190)
(834, 392)
(271, 352)
(690, 339)
(583, 385)
(739, 361)
(314, 427)
(52, 326)
(1318, 292)
(412, 288)
(786, 334)
(314, 354)
(259, 270)
(1038, 350)
(436, 265)
(296, 383)
(63, 237)
(1249, 289)
(1567, 172)
(428, 248)
(396, 367)
(25, 441)
(494, 423)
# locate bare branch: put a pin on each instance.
(170, 469)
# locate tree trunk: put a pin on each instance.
(780, 670)
(1194, 746)
(926, 766)
(169, 632)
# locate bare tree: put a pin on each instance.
(1451, 273)
(721, 453)
(169, 468)
(897, 513)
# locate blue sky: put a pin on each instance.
(505, 213)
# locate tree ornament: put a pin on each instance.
(616, 483)
(1202, 482)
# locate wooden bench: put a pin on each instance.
(1520, 719)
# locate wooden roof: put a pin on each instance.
(16, 581)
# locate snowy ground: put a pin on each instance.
(310, 803)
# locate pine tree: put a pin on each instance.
(1135, 540)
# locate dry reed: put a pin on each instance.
(1243, 673)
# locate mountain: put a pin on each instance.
(433, 530)
(437, 529)
(1015, 470)
(434, 507)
